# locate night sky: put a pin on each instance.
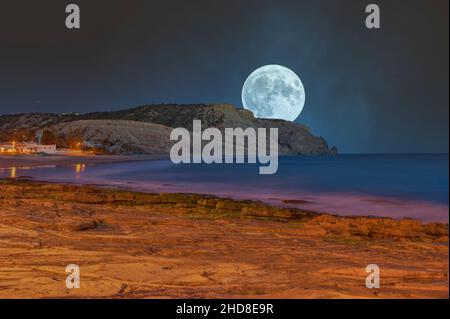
(367, 91)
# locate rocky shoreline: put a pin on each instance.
(212, 206)
(189, 245)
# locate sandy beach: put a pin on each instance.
(7, 161)
(135, 245)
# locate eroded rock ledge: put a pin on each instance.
(20, 192)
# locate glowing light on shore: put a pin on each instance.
(13, 172)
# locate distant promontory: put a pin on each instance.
(146, 129)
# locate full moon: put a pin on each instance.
(275, 92)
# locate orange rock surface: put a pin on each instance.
(133, 245)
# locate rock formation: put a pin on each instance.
(146, 129)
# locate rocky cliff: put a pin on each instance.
(146, 129)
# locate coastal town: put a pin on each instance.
(26, 148)
(32, 143)
(39, 142)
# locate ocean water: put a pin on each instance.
(396, 186)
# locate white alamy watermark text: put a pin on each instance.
(237, 146)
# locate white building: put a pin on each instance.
(27, 148)
(6, 148)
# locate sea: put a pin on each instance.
(396, 186)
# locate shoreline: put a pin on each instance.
(235, 202)
(9, 161)
(276, 202)
(343, 203)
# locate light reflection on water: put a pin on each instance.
(79, 167)
(14, 172)
(384, 185)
